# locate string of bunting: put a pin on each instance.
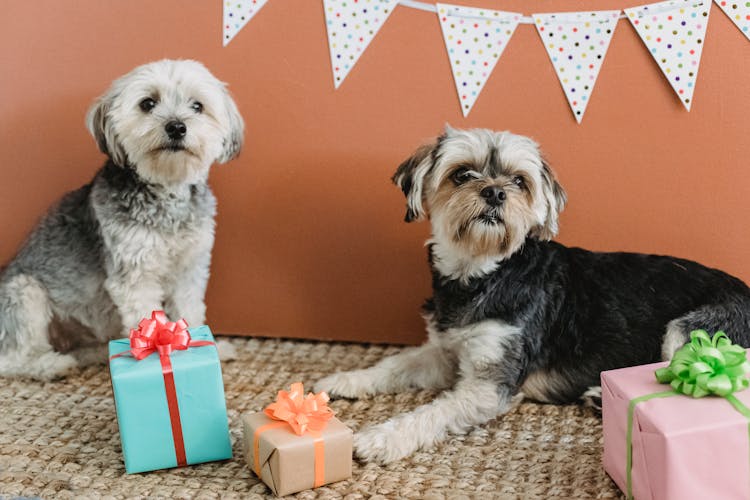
(673, 31)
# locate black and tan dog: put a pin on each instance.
(513, 313)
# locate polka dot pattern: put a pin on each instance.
(475, 38)
(577, 43)
(237, 13)
(739, 12)
(351, 26)
(674, 33)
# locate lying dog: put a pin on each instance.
(513, 313)
(135, 239)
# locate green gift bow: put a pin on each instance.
(705, 365)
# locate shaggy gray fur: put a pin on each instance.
(136, 239)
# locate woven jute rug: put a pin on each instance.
(60, 439)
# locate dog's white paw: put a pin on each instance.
(49, 366)
(353, 384)
(383, 443)
(226, 350)
(593, 398)
(91, 355)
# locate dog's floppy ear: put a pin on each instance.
(235, 135)
(555, 198)
(410, 177)
(100, 125)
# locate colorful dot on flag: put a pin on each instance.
(478, 44)
(582, 34)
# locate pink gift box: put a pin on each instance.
(683, 447)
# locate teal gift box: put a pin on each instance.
(143, 412)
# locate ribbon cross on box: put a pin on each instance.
(180, 389)
(296, 443)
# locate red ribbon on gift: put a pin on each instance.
(305, 415)
(159, 335)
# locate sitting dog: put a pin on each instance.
(513, 313)
(137, 238)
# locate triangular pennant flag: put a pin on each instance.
(351, 26)
(674, 32)
(475, 39)
(237, 13)
(739, 12)
(577, 43)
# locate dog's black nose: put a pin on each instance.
(493, 195)
(175, 129)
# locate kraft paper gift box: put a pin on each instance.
(149, 428)
(682, 447)
(288, 462)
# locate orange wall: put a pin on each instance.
(310, 239)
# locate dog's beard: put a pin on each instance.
(159, 160)
(172, 166)
(482, 233)
(491, 217)
(481, 230)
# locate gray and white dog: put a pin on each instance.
(513, 313)
(137, 238)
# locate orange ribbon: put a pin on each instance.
(304, 415)
(158, 335)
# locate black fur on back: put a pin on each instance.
(583, 312)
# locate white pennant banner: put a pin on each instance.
(577, 43)
(351, 26)
(237, 13)
(739, 12)
(674, 33)
(475, 38)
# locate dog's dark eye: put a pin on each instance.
(197, 107)
(461, 175)
(147, 104)
(518, 181)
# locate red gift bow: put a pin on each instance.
(160, 335)
(304, 414)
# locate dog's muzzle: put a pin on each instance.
(491, 216)
(494, 197)
(172, 146)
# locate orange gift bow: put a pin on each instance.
(302, 413)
